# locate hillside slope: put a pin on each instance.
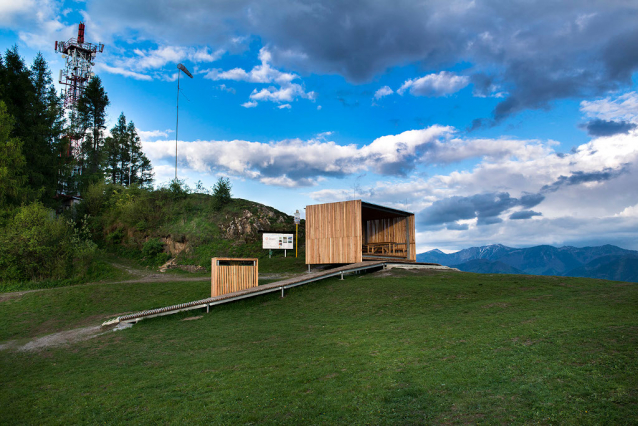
(484, 266)
(191, 228)
(619, 268)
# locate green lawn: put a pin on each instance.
(399, 347)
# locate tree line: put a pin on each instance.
(35, 136)
(37, 172)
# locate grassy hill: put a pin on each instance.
(390, 347)
(148, 227)
(154, 226)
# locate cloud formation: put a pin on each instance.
(580, 177)
(384, 91)
(441, 84)
(524, 214)
(600, 127)
(485, 208)
(534, 52)
(623, 108)
(265, 73)
(295, 162)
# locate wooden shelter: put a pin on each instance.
(229, 275)
(354, 231)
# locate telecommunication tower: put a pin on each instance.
(79, 57)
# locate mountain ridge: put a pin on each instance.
(606, 261)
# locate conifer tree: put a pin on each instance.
(13, 176)
(30, 99)
(125, 161)
(47, 126)
(114, 146)
(141, 171)
(91, 117)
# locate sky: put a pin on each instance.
(495, 122)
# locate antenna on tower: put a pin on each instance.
(77, 72)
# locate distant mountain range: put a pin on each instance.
(606, 262)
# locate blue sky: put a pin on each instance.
(495, 122)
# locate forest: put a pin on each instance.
(39, 173)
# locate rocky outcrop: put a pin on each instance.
(175, 246)
(248, 224)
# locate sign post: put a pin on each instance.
(297, 220)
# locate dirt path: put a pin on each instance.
(67, 337)
(142, 276)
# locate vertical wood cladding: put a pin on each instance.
(229, 275)
(412, 233)
(333, 233)
(336, 232)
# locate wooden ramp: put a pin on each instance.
(256, 291)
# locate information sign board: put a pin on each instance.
(278, 241)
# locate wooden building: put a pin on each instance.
(354, 231)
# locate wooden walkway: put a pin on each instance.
(256, 291)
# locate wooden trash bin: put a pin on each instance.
(229, 275)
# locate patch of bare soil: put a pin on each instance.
(193, 318)
(57, 339)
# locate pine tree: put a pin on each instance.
(113, 148)
(126, 163)
(141, 171)
(91, 116)
(13, 177)
(38, 120)
(47, 126)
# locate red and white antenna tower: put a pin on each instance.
(75, 75)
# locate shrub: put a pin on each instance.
(152, 248)
(35, 245)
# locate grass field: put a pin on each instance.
(390, 347)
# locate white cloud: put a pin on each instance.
(263, 73)
(37, 22)
(225, 88)
(158, 58)
(631, 211)
(441, 84)
(284, 106)
(287, 91)
(123, 72)
(284, 94)
(622, 108)
(305, 162)
(384, 91)
(149, 135)
(249, 104)
(596, 210)
(9, 10)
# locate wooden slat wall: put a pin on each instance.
(333, 233)
(412, 231)
(384, 230)
(234, 277)
(393, 229)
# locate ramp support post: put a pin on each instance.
(342, 275)
(282, 292)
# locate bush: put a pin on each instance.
(35, 245)
(152, 248)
